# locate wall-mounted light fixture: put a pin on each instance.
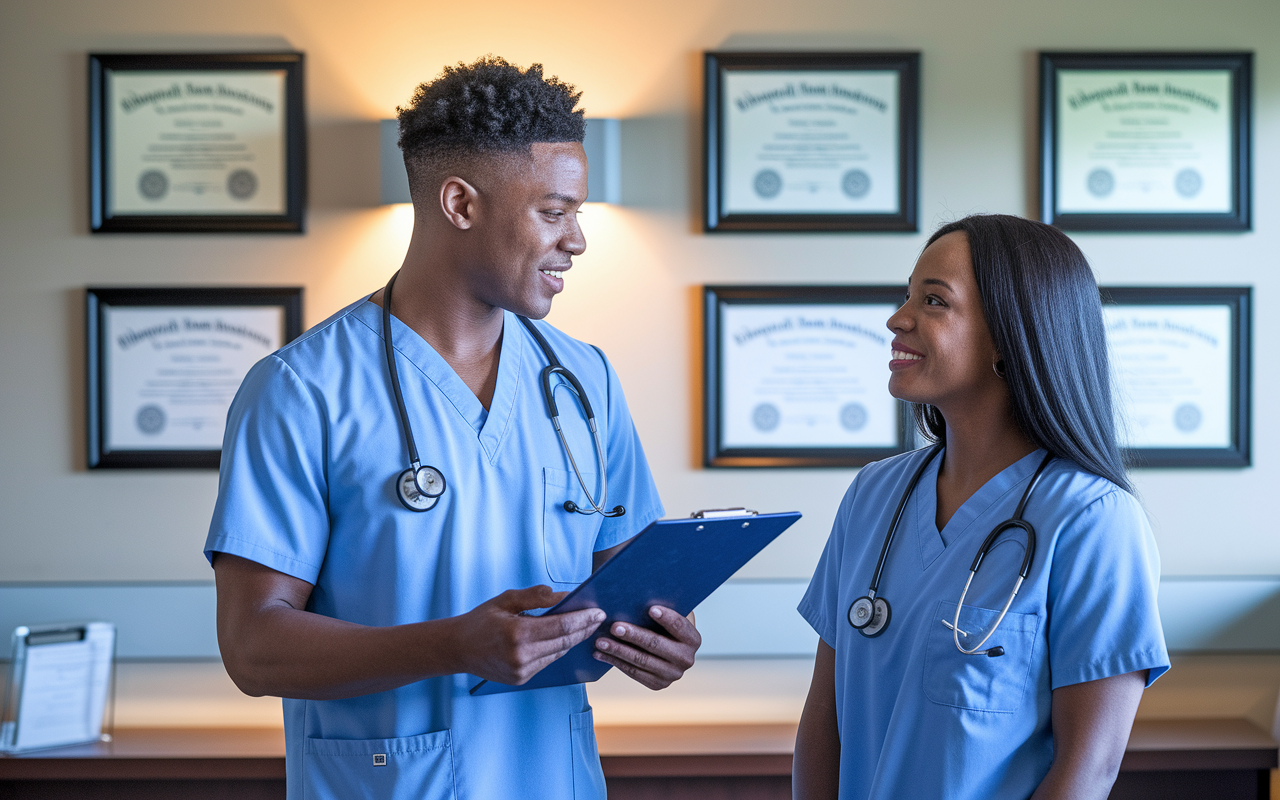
(603, 143)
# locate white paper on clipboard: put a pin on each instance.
(58, 687)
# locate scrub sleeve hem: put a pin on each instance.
(1156, 662)
(264, 556)
(817, 620)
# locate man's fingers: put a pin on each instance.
(679, 626)
(654, 646)
(556, 634)
(641, 676)
(533, 597)
(571, 622)
(646, 661)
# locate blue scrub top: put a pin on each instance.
(917, 718)
(307, 488)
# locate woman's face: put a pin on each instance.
(942, 350)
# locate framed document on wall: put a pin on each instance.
(798, 376)
(1182, 366)
(165, 363)
(197, 142)
(811, 141)
(1146, 141)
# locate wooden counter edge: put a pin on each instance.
(638, 751)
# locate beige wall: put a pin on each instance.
(635, 291)
(61, 523)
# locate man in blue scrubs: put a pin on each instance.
(374, 620)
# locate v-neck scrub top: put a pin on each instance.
(312, 449)
(916, 717)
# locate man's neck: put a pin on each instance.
(466, 334)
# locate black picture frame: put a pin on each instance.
(1239, 301)
(99, 301)
(718, 64)
(715, 453)
(1239, 66)
(104, 219)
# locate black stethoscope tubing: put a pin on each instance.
(870, 614)
(421, 486)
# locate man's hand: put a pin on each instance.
(650, 658)
(272, 646)
(503, 646)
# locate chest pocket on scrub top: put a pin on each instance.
(979, 683)
(568, 539)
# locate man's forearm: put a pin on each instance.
(288, 652)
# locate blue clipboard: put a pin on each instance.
(675, 563)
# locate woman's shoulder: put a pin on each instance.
(1065, 477)
(894, 466)
(1086, 500)
(888, 474)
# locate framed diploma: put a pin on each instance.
(1145, 141)
(200, 142)
(798, 376)
(1181, 361)
(164, 365)
(811, 141)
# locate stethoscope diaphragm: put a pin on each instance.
(870, 616)
(420, 489)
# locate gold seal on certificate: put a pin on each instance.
(811, 141)
(1180, 357)
(198, 142)
(1146, 142)
(798, 376)
(165, 364)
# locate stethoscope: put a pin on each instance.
(420, 486)
(870, 614)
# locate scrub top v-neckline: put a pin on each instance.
(490, 425)
(934, 542)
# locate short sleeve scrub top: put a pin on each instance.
(311, 453)
(916, 717)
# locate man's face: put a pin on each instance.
(528, 231)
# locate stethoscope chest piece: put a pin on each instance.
(419, 489)
(870, 616)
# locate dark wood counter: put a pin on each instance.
(1170, 759)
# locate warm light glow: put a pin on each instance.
(371, 247)
(402, 217)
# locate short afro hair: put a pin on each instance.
(488, 107)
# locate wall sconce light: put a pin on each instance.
(603, 143)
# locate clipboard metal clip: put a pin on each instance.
(716, 513)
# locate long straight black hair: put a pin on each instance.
(1044, 311)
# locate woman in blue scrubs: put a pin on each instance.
(1001, 350)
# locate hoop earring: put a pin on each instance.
(999, 370)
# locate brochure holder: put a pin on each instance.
(61, 687)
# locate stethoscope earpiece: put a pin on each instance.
(574, 508)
